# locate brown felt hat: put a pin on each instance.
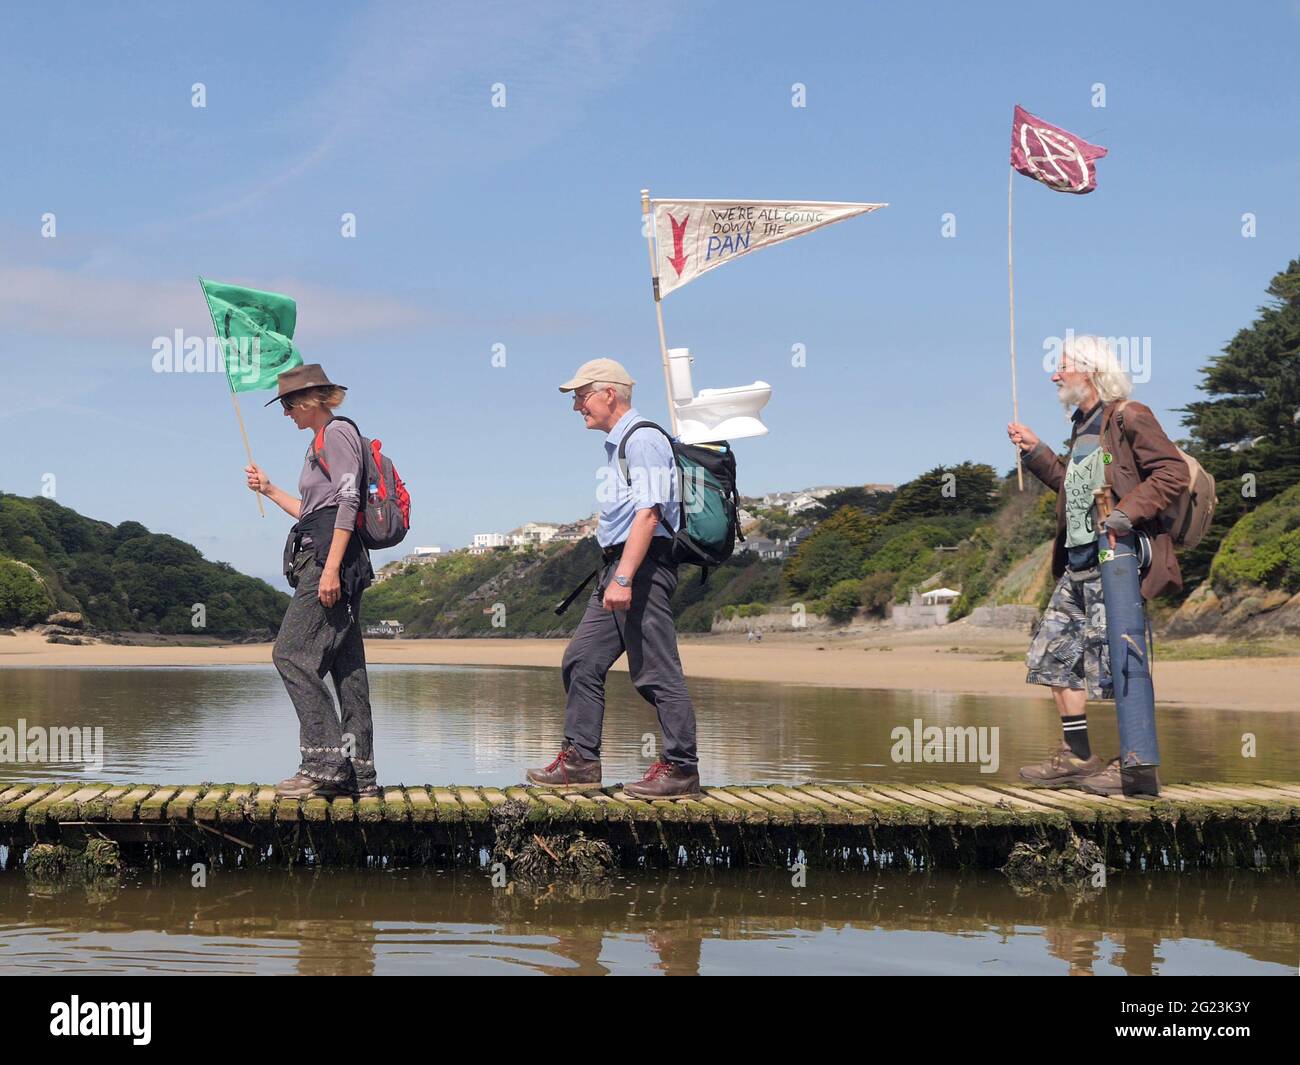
(300, 378)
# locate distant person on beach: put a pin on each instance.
(1068, 650)
(629, 610)
(328, 568)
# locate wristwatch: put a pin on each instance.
(621, 581)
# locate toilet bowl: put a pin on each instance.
(713, 413)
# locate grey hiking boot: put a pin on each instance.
(569, 771)
(1064, 769)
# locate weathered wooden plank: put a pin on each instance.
(37, 812)
(179, 808)
(888, 810)
(748, 811)
(1004, 800)
(124, 808)
(14, 791)
(370, 809)
(448, 806)
(69, 808)
(584, 808)
(13, 810)
(290, 810)
(493, 796)
(612, 809)
(1077, 810)
(96, 808)
(936, 813)
(777, 813)
(422, 807)
(829, 812)
(851, 812)
(342, 809)
(264, 804)
(315, 809)
(396, 810)
(474, 807)
(154, 807)
(234, 807)
(207, 805)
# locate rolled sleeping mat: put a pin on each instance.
(1130, 656)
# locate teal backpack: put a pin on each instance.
(707, 525)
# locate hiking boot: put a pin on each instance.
(1123, 780)
(665, 780)
(569, 771)
(302, 786)
(1064, 769)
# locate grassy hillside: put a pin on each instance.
(122, 577)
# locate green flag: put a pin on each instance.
(255, 330)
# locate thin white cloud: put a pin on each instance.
(68, 303)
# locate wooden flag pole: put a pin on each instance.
(659, 312)
(239, 416)
(1011, 296)
(247, 447)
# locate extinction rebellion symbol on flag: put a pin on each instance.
(1046, 153)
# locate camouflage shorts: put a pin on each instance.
(1068, 648)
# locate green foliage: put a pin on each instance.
(126, 578)
(23, 597)
(843, 600)
(1263, 548)
(1254, 390)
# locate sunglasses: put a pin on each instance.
(286, 403)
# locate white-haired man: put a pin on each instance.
(1119, 443)
(630, 609)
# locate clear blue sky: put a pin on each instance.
(521, 226)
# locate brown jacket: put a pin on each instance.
(1145, 475)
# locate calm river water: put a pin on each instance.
(483, 726)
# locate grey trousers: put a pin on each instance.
(314, 641)
(647, 634)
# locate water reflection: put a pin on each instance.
(481, 725)
(338, 922)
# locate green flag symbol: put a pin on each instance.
(256, 333)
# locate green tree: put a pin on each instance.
(1247, 433)
(23, 598)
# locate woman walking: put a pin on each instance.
(328, 567)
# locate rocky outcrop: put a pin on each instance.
(1248, 611)
(66, 618)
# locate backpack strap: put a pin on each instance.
(622, 444)
(318, 447)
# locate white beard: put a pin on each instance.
(1071, 398)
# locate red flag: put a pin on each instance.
(1060, 160)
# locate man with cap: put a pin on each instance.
(629, 610)
(328, 567)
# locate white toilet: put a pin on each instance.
(715, 413)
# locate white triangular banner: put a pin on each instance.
(695, 236)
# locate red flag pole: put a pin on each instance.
(1011, 296)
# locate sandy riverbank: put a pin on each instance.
(957, 658)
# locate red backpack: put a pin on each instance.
(384, 516)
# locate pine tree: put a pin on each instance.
(1247, 434)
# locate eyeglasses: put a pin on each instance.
(580, 398)
(286, 402)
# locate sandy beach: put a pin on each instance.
(957, 658)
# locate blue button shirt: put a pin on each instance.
(652, 472)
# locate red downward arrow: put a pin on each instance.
(679, 234)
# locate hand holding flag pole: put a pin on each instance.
(1064, 163)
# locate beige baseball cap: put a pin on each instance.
(598, 370)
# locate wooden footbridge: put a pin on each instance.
(923, 825)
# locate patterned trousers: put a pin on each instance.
(314, 641)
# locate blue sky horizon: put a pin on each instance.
(517, 229)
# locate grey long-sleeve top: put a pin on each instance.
(341, 487)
